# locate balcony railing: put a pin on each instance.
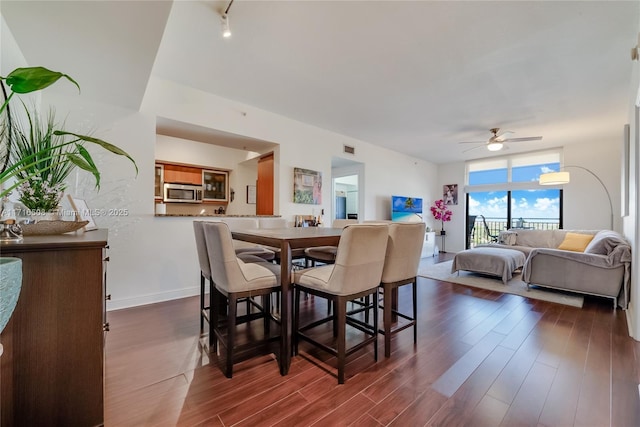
(480, 235)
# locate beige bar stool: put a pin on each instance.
(356, 273)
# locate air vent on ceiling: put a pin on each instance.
(349, 149)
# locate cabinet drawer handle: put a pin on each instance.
(105, 327)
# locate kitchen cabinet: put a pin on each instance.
(215, 186)
(53, 361)
(179, 174)
(159, 181)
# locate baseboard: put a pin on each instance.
(119, 304)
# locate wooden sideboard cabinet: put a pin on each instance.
(51, 371)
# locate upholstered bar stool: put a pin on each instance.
(260, 251)
(326, 254)
(205, 270)
(401, 263)
(235, 279)
(356, 273)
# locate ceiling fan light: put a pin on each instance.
(494, 146)
(554, 178)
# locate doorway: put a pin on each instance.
(346, 197)
(347, 189)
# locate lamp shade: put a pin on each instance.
(554, 178)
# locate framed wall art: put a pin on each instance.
(450, 194)
(251, 194)
(307, 186)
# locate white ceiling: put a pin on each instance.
(415, 76)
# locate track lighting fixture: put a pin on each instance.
(226, 30)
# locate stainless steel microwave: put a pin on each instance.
(184, 193)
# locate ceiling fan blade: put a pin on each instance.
(527, 138)
(472, 142)
(473, 148)
(504, 133)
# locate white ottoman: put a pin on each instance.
(494, 261)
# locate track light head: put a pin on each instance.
(226, 30)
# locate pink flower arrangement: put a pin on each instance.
(440, 212)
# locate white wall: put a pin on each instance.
(585, 201)
(154, 259)
(301, 145)
(451, 173)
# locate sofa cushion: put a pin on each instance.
(575, 242)
(604, 242)
(507, 238)
(539, 238)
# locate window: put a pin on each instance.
(487, 172)
(504, 193)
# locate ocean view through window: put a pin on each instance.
(505, 194)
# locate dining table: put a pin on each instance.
(287, 240)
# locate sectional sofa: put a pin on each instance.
(585, 261)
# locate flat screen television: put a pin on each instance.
(406, 209)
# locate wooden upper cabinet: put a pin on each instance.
(182, 174)
(215, 183)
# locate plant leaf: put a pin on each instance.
(85, 165)
(104, 144)
(30, 79)
(87, 157)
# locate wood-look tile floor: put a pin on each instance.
(482, 359)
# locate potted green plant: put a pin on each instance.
(33, 160)
(44, 154)
(55, 155)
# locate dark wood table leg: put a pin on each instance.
(285, 308)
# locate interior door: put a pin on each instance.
(264, 185)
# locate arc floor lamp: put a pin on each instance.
(563, 177)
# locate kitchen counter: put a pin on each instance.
(216, 215)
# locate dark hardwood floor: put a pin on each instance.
(482, 359)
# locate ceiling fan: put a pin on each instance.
(496, 142)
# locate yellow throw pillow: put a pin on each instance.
(575, 242)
